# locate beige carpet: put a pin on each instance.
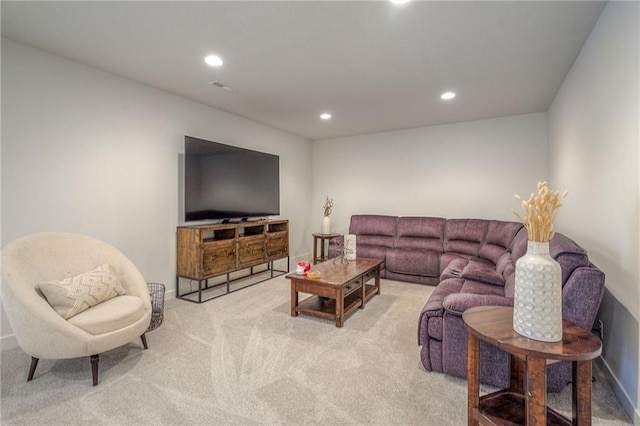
(242, 359)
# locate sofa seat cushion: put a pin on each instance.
(413, 262)
(483, 273)
(371, 252)
(458, 261)
(453, 269)
(476, 287)
(458, 303)
(114, 314)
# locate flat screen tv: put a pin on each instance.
(226, 182)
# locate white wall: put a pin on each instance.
(594, 152)
(469, 169)
(89, 152)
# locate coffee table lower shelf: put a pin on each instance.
(325, 307)
(508, 408)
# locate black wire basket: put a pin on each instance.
(156, 292)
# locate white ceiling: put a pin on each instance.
(374, 65)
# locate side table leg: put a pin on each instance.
(581, 393)
(294, 299)
(473, 378)
(517, 375)
(536, 392)
(315, 249)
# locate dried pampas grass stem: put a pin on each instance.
(539, 211)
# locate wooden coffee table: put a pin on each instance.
(341, 289)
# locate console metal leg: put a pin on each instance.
(189, 295)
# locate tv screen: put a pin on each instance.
(226, 182)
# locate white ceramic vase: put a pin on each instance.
(350, 247)
(537, 305)
(326, 225)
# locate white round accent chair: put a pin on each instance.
(70, 296)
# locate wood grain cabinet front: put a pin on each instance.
(277, 245)
(218, 258)
(251, 251)
(206, 251)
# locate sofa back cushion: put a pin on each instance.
(499, 239)
(519, 246)
(564, 250)
(423, 233)
(375, 230)
(568, 254)
(465, 235)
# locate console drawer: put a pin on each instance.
(251, 251)
(353, 285)
(277, 245)
(218, 258)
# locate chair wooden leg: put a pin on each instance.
(32, 368)
(144, 341)
(94, 368)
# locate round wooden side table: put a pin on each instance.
(525, 401)
(323, 255)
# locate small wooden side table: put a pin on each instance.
(525, 401)
(322, 238)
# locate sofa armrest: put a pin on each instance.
(456, 304)
(337, 241)
(336, 246)
(582, 296)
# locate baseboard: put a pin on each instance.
(627, 405)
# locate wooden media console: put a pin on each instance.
(208, 251)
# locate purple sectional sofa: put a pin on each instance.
(472, 263)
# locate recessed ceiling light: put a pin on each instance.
(213, 60)
(447, 95)
(399, 1)
(325, 116)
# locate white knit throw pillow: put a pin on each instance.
(70, 296)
